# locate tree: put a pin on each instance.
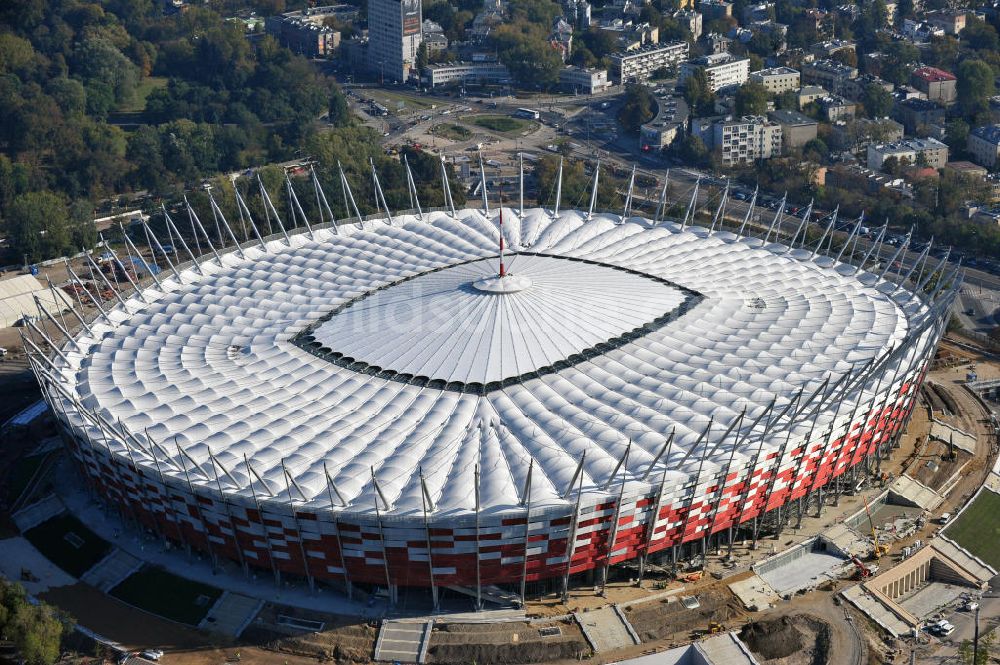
(37, 225)
(975, 86)
(698, 94)
(340, 110)
(846, 56)
(980, 35)
(422, 57)
(638, 107)
(956, 135)
(37, 634)
(751, 99)
(877, 100)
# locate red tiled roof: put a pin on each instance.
(933, 74)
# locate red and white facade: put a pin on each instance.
(495, 471)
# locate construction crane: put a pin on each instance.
(863, 572)
(879, 550)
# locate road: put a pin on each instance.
(573, 114)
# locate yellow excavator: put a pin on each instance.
(879, 550)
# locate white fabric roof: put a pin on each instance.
(440, 326)
(212, 362)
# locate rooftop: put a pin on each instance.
(775, 71)
(786, 117)
(933, 74)
(989, 133)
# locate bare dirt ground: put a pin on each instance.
(669, 619)
(503, 643)
(342, 640)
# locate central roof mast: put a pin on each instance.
(503, 270)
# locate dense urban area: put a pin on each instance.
(138, 134)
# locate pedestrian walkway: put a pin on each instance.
(403, 641)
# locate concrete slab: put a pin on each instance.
(110, 571)
(605, 629)
(755, 593)
(907, 491)
(17, 555)
(38, 512)
(873, 608)
(928, 599)
(945, 433)
(231, 614)
(806, 571)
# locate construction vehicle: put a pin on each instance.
(715, 627)
(878, 550)
(863, 572)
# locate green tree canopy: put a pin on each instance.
(751, 99)
(975, 86)
(639, 107)
(877, 101)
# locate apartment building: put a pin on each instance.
(724, 71)
(778, 79)
(984, 144)
(639, 65)
(747, 139)
(933, 151)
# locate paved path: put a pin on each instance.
(33, 515)
(231, 614)
(17, 555)
(110, 571)
(402, 641)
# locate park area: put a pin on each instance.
(451, 131)
(502, 123)
(66, 542)
(977, 529)
(175, 598)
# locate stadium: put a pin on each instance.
(486, 399)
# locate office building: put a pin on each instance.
(581, 80)
(454, 73)
(394, 35)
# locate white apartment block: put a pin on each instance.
(639, 65)
(723, 70)
(394, 34)
(778, 79)
(934, 151)
(747, 139)
(984, 144)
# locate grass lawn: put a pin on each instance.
(451, 131)
(978, 528)
(391, 100)
(142, 91)
(66, 542)
(157, 591)
(502, 123)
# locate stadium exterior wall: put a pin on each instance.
(595, 528)
(325, 546)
